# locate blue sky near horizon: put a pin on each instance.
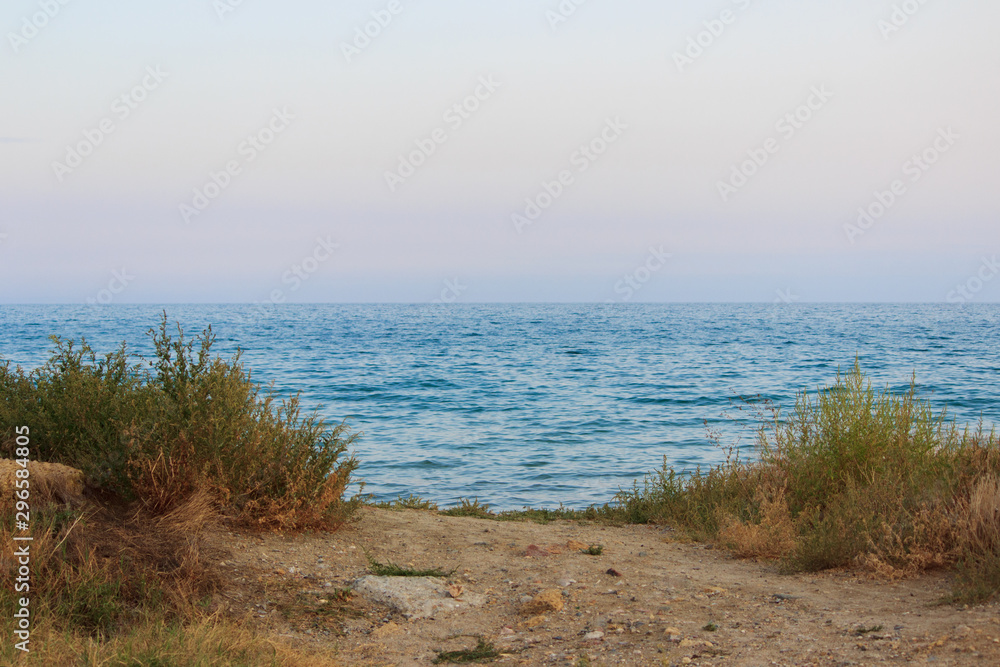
(645, 221)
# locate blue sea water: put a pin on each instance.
(546, 404)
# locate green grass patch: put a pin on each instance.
(475, 509)
(470, 508)
(483, 652)
(390, 569)
(410, 502)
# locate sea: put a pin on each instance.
(542, 405)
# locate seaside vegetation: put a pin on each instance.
(852, 477)
(484, 651)
(390, 569)
(169, 446)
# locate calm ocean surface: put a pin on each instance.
(541, 404)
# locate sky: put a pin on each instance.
(247, 151)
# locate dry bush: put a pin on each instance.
(164, 480)
(772, 536)
(172, 545)
(982, 516)
(978, 567)
(114, 583)
(928, 543)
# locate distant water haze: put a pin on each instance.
(546, 404)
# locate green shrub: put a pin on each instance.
(851, 477)
(158, 429)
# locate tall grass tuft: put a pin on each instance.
(158, 430)
(852, 476)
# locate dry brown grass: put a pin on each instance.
(982, 515)
(97, 567)
(978, 566)
(119, 571)
(929, 543)
(114, 583)
(773, 536)
(209, 640)
(48, 482)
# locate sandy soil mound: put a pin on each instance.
(51, 480)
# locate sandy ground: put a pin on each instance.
(646, 600)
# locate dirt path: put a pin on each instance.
(667, 603)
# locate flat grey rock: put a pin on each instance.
(414, 597)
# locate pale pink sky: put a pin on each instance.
(286, 122)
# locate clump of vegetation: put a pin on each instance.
(483, 652)
(544, 516)
(593, 550)
(410, 502)
(978, 567)
(471, 508)
(390, 569)
(168, 447)
(155, 431)
(474, 508)
(851, 477)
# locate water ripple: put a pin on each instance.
(541, 404)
